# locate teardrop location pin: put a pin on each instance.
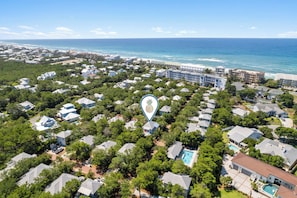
(149, 105)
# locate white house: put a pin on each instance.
(106, 145)
(86, 103)
(150, 127)
(238, 134)
(89, 188)
(65, 110)
(89, 140)
(126, 148)
(26, 106)
(57, 185)
(46, 123)
(99, 96)
(47, 75)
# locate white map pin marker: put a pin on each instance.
(149, 105)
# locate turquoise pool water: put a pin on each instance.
(270, 188)
(187, 156)
(234, 148)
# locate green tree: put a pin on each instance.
(125, 189)
(179, 167)
(200, 190)
(79, 151)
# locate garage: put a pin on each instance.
(246, 172)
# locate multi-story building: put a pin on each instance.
(247, 76)
(195, 77)
(288, 80)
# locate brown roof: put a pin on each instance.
(263, 169)
(284, 192)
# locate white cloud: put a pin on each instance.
(25, 27)
(185, 32)
(253, 28)
(4, 29)
(160, 30)
(101, 32)
(290, 34)
(64, 29)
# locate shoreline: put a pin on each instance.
(268, 75)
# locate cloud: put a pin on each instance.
(101, 32)
(25, 27)
(160, 30)
(4, 29)
(290, 34)
(253, 28)
(64, 29)
(185, 32)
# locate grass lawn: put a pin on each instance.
(232, 193)
(273, 121)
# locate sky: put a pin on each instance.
(65, 19)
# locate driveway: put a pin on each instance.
(240, 181)
(287, 122)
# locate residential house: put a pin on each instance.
(205, 117)
(16, 159)
(259, 170)
(98, 117)
(89, 188)
(99, 96)
(24, 84)
(191, 127)
(274, 93)
(240, 112)
(26, 106)
(57, 185)
(270, 110)
(180, 84)
(203, 126)
(185, 90)
(131, 124)
(72, 117)
(86, 103)
(65, 110)
(112, 73)
(47, 75)
(165, 109)
(261, 90)
(46, 123)
(89, 71)
(150, 127)
(207, 111)
(116, 118)
(89, 140)
(176, 97)
(183, 181)
(174, 150)
(126, 148)
(163, 98)
(238, 134)
(286, 151)
(63, 136)
(106, 145)
(33, 173)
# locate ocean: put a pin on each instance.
(268, 55)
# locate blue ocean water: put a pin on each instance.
(268, 55)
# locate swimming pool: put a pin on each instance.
(270, 189)
(187, 156)
(234, 148)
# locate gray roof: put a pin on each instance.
(275, 92)
(267, 108)
(89, 187)
(204, 123)
(126, 148)
(183, 181)
(238, 86)
(106, 145)
(166, 109)
(57, 185)
(64, 134)
(240, 112)
(207, 111)
(261, 88)
(174, 150)
(286, 151)
(192, 127)
(184, 90)
(85, 101)
(238, 133)
(210, 105)
(89, 139)
(21, 156)
(150, 125)
(205, 117)
(98, 117)
(33, 173)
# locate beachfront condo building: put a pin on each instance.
(196, 77)
(287, 80)
(247, 76)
